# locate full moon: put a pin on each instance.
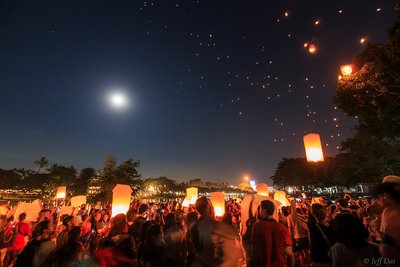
(118, 100)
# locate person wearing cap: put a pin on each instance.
(270, 241)
(390, 222)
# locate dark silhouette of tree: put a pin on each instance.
(41, 163)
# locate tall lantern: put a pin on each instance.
(262, 189)
(121, 199)
(61, 192)
(312, 145)
(192, 193)
(218, 201)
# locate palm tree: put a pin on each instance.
(41, 163)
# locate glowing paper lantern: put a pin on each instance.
(30, 209)
(312, 49)
(218, 201)
(192, 193)
(186, 202)
(61, 190)
(121, 199)
(312, 145)
(262, 189)
(281, 197)
(346, 69)
(77, 201)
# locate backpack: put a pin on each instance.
(25, 258)
(249, 223)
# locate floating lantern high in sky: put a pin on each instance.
(218, 201)
(346, 69)
(192, 193)
(262, 189)
(61, 192)
(121, 199)
(312, 145)
(312, 49)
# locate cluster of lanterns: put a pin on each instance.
(122, 193)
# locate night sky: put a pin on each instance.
(214, 89)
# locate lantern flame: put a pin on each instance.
(312, 145)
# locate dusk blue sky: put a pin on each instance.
(217, 89)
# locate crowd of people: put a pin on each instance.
(341, 233)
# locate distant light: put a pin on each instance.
(362, 40)
(317, 22)
(286, 14)
(346, 69)
(378, 9)
(312, 48)
(305, 44)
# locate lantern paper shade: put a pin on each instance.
(186, 202)
(77, 201)
(312, 145)
(262, 189)
(218, 201)
(192, 193)
(121, 199)
(61, 190)
(281, 197)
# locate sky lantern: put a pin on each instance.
(186, 202)
(192, 193)
(312, 48)
(312, 145)
(61, 192)
(281, 197)
(218, 201)
(121, 199)
(346, 69)
(262, 189)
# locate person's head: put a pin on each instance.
(153, 233)
(97, 216)
(170, 220)
(191, 217)
(204, 206)
(375, 210)
(105, 217)
(22, 217)
(318, 211)
(349, 230)
(119, 227)
(267, 208)
(227, 218)
(44, 215)
(343, 203)
(145, 226)
(74, 234)
(143, 208)
(69, 221)
(389, 190)
(130, 215)
(44, 228)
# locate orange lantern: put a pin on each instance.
(281, 197)
(312, 49)
(346, 69)
(121, 199)
(78, 201)
(61, 191)
(262, 189)
(312, 145)
(192, 193)
(218, 201)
